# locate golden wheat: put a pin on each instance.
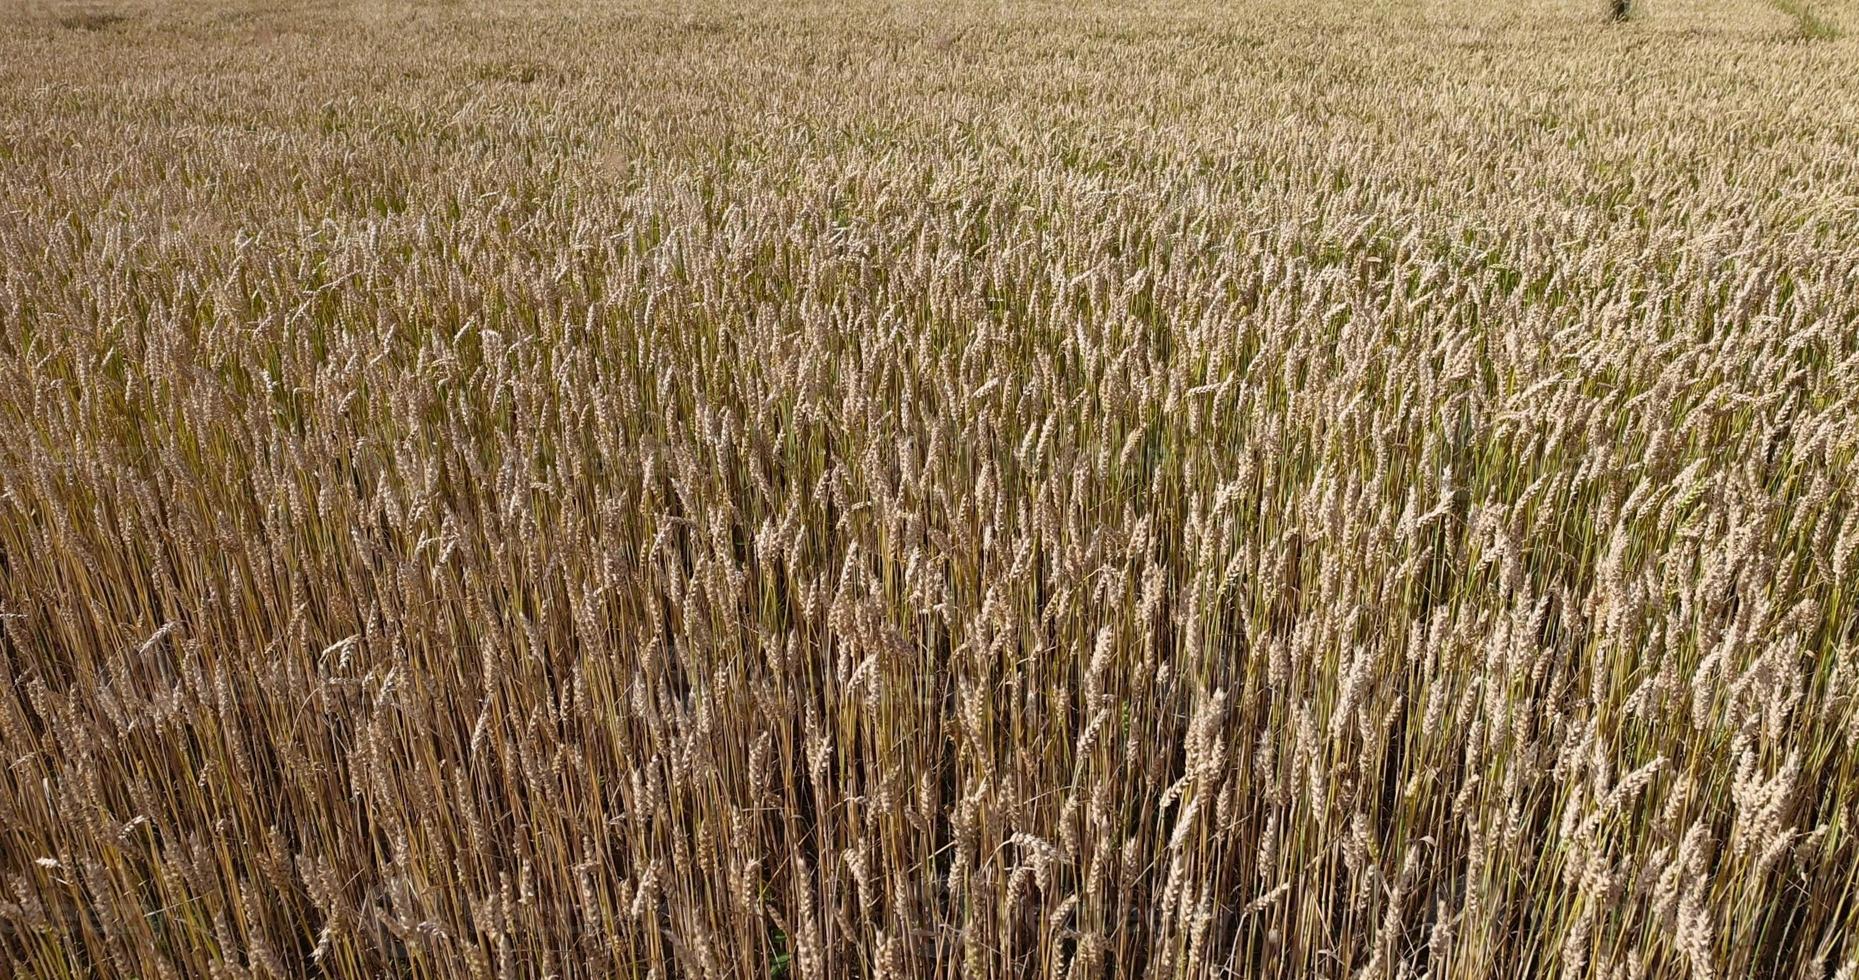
(836, 490)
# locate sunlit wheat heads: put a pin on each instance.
(565, 489)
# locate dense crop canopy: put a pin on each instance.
(954, 490)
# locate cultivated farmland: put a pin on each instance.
(834, 490)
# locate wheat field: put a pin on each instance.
(831, 490)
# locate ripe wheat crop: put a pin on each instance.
(834, 490)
